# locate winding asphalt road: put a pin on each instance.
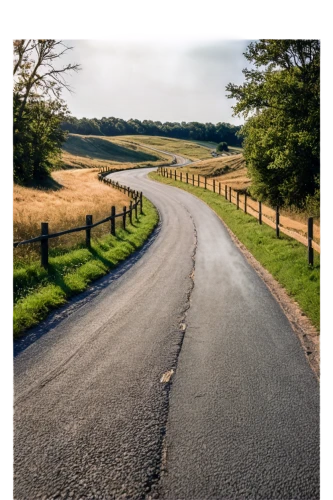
(241, 417)
(180, 161)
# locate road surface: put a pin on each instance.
(180, 161)
(241, 417)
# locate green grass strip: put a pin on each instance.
(37, 291)
(285, 258)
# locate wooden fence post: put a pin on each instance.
(113, 221)
(175, 175)
(124, 217)
(310, 237)
(141, 204)
(205, 182)
(245, 203)
(237, 195)
(186, 177)
(214, 185)
(219, 188)
(226, 192)
(130, 214)
(89, 219)
(193, 179)
(44, 245)
(136, 200)
(181, 176)
(230, 194)
(277, 220)
(260, 213)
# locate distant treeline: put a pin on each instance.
(221, 132)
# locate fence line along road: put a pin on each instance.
(45, 235)
(263, 213)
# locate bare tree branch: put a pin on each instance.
(28, 68)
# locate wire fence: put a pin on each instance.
(304, 233)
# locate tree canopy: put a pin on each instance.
(222, 146)
(38, 106)
(281, 101)
(191, 130)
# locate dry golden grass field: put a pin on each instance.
(228, 169)
(77, 193)
(188, 149)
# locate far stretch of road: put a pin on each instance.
(241, 417)
(180, 161)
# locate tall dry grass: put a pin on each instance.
(79, 193)
(214, 167)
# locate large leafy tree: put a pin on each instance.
(38, 106)
(280, 100)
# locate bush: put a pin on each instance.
(222, 146)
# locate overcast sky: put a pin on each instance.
(166, 81)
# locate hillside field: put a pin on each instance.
(188, 149)
(127, 151)
(213, 145)
(80, 151)
(228, 169)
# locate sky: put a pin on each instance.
(171, 80)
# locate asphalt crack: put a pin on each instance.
(161, 468)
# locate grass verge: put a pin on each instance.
(37, 291)
(284, 258)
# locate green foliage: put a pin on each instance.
(285, 258)
(38, 108)
(37, 139)
(223, 146)
(282, 132)
(312, 204)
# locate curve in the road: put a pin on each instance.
(93, 420)
(181, 161)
